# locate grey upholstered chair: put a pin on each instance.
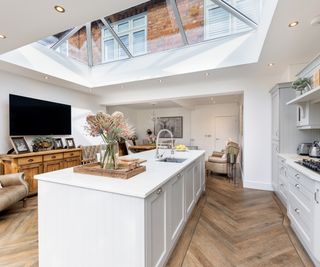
(13, 188)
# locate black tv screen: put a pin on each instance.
(30, 116)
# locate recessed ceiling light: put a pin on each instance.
(46, 77)
(271, 64)
(59, 9)
(2, 36)
(315, 21)
(207, 74)
(160, 81)
(293, 24)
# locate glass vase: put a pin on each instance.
(109, 156)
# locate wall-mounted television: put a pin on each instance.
(30, 116)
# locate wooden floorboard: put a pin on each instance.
(230, 226)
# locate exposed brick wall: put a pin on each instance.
(162, 29)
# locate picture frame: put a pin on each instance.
(58, 144)
(70, 142)
(20, 144)
(173, 124)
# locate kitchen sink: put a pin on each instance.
(172, 160)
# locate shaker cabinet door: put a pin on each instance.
(175, 208)
(197, 180)
(156, 227)
(189, 191)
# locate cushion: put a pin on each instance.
(218, 159)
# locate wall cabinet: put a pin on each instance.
(35, 163)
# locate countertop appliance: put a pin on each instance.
(310, 164)
(304, 148)
(315, 150)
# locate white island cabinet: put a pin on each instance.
(87, 220)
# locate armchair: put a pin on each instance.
(13, 188)
(218, 161)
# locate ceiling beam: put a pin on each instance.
(66, 37)
(179, 21)
(89, 44)
(115, 36)
(235, 12)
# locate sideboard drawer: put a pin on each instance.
(301, 179)
(29, 160)
(71, 154)
(52, 157)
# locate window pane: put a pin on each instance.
(139, 42)
(123, 27)
(218, 22)
(109, 50)
(125, 41)
(139, 22)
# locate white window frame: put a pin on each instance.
(131, 30)
(67, 48)
(232, 21)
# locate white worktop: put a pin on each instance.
(156, 174)
(291, 161)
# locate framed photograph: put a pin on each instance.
(70, 143)
(173, 124)
(58, 143)
(20, 145)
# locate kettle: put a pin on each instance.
(315, 150)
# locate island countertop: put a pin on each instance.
(156, 174)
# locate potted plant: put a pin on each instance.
(111, 128)
(42, 143)
(301, 85)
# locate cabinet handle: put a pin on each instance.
(30, 160)
(282, 185)
(159, 191)
(53, 157)
(297, 211)
(297, 186)
(297, 176)
(179, 175)
(316, 196)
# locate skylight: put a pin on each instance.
(155, 26)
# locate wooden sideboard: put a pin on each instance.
(40, 162)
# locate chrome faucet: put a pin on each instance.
(158, 156)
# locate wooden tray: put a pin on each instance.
(122, 173)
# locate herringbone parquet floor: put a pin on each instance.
(237, 227)
(230, 227)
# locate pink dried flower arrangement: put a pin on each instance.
(110, 127)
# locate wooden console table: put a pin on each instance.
(40, 162)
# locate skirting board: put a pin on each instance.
(257, 185)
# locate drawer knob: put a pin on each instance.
(30, 160)
(159, 191)
(297, 211)
(71, 154)
(53, 157)
(282, 185)
(297, 176)
(179, 175)
(297, 186)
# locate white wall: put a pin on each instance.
(194, 121)
(254, 83)
(82, 104)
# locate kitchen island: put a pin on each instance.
(87, 220)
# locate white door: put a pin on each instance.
(226, 128)
(202, 130)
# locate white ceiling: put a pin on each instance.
(24, 22)
(284, 46)
(188, 103)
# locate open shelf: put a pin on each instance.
(312, 96)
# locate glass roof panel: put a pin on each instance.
(155, 26)
(76, 46)
(250, 8)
